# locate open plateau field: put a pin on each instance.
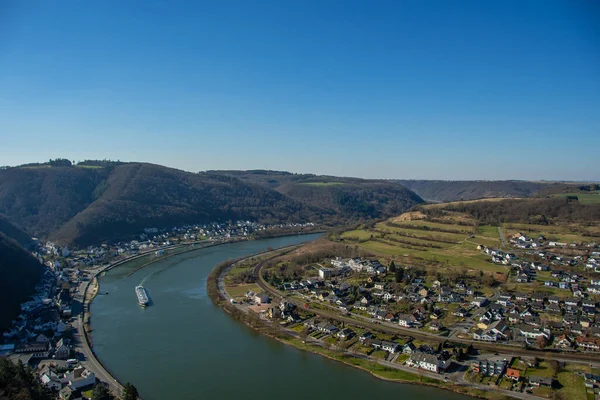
(450, 241)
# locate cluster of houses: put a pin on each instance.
(587, 256)
(499, 368)
(518, 317)
(40, 329)
(344, 267)
(284, 311)
(65, 379)
(536, 319)
(569, 320)
(152, 239)
(372, 297)
(257, 298)
(359, 265)
(522, 241)
(422, 357)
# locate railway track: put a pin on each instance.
(588, 358)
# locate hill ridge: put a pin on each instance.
(85, 205)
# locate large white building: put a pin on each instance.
(429, 362)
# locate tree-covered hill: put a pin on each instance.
(353, 200)
(19, 273)
(14, 232)
(42, 199)
(145, 195)
(542, 211)
(348, 199)
(101, 200)
(441, 191)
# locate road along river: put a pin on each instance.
(184, 347)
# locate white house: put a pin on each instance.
(80, 378)
(429, 362)
(479, 302)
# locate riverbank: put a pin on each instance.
(89, 289)
(288, 337)
(90, 292)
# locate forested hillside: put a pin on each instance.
(42, 199)
(353, 201)
(349, 199)
(19, 273)
(14, 232)
(103, 200)
(143, 195)
(19, 382)
(541, 211)
(440, 191)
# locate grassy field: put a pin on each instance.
(420, 234)
(238, 291)
(563, 233)
(454, 246)
(322, 183)
(583, 197)
(451, 239)
(89, 166)
(357, 233)
(432, 226)
(573, 387)
(543, 369)
(236, 271)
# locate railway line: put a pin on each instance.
(363, 322)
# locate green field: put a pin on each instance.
(454, 246)
(322, 183)
(235, 271)
(562, 233)
(239, 291)
(543, 369)
(428, 226)
(573, 387)
(420, 234)
(357, 233)
(89, 166)
(583, 197)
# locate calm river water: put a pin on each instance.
(184, 347)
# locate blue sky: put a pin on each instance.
(399, 89)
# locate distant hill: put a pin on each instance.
(102, 200)
(349, 199)
(540, 211)
(441, 191)
(267, 178)
(19, 273)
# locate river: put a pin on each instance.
(184, 347)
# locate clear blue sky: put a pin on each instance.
(398, 89)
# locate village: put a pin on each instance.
(405, 316)
(48, 334)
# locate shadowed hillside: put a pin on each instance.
(19, 273)
(14, 232)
